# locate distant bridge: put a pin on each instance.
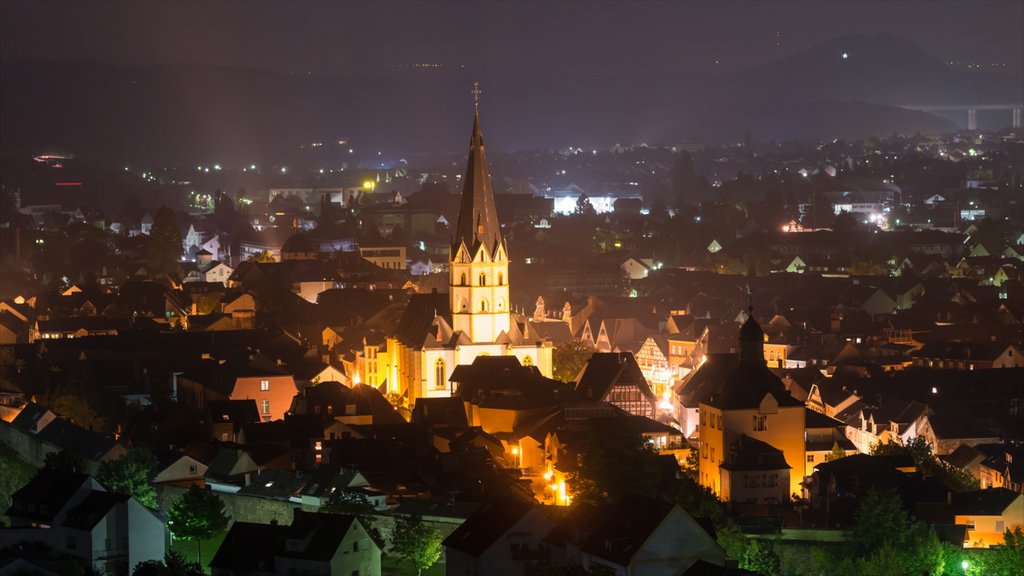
(972, 111)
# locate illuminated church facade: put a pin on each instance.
(437, 332)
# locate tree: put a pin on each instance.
(584, 207)
(14, 473)
(416, 542)
(64, 461)
(197, 515)
(568, 359)
(264, 257)
(174, 564)
(164, 242)
(836, 453)
(354, 504)
(77, 409)
(683, 177)
(131, 474)
(887, 542)
(920, 451)
(613, 463)
(760, 557)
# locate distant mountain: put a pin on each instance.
(194, 113)
(881, 69)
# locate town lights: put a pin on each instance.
(369, 185)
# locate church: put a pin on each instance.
(438, 331)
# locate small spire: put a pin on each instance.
(476, 96)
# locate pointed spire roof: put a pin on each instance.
(478, 218)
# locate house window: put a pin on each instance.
(439, 372)
(810, 457)
(264, 385)
(355, 546)
(265, 407)
(193, 469)
(1000, 526)
(760, 423)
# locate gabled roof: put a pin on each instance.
(748, 453)
(991, 502)
(615, 532)
(93, 509)
(477, 534)
(47, 494)
(318, 535)
(606, 370)
(29, 415)
(440, 412)
(234, 411)
(249, 548)
(419, 316)
(72, 438)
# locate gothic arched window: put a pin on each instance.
(483, 279)
(501, 278)
(439, 374)
(483, 305)
(527, 361)
(462, 281)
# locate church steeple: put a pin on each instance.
(478, 264)
(751, 340)
(478, 218)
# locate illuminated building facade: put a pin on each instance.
(438, 332)
(751, 402)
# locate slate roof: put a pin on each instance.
(501, 382)
(249, 548)
(478, 217)
(991, 502)
(616, 532)
(748, 453)
(29, 415)
(234, 411)
(419, 315)
(49, 491)
(440, 413)
(478, 533)
(605, 370)
(322, 534)
(72, 438)
(94, 508)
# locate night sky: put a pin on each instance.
(495, 37)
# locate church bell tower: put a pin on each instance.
(478, 260)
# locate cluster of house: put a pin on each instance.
(357, 379)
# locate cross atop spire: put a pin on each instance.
(476, 96)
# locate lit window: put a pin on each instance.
(760, 423)
(265, 407)
(439, 372)
(264, 385)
